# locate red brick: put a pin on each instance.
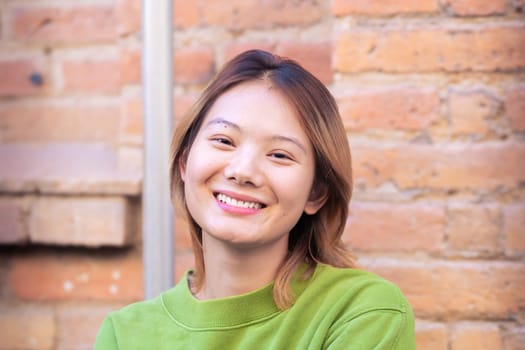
(38, 122)
(130, 66)
(63, 25)
(185, 13)
(184, 261)
(128, 14)
(183, 103)
(431, 50)
(315, 57)
(72, 276)
(65, 169)
(79, 326)
(12, 228)
(479, 336)
(514, 338)
(81, 221)
(401, 227)
(194, 65)
(514, 229)
(16, 77)
(474, 7)
(431, 336)
(254, 14)
(452, 290)
(400, 108)
(382, 7)
(451, 166)
(470, 111)
(24, 328)
(474, 229)
(515, 105)
(131, 128)
(91, 76)
(182, 234)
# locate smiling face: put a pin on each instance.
(249, 172)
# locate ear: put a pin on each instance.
(316, 200)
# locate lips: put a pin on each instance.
(235, 202)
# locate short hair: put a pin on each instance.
(315, 238)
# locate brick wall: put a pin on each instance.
(432, 93)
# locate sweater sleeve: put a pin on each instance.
(379, 329)
(106, 336)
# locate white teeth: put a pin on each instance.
(238, 203)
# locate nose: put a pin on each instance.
(243, 169)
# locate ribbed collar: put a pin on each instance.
(231, 312)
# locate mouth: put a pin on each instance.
(221, 197)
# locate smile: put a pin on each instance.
(237, 203)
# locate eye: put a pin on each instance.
(221, 141)
(281, 156)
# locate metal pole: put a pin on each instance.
(157, 95)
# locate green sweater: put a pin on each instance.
(334, 309)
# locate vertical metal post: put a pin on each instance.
(157, 85)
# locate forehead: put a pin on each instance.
(259, 100)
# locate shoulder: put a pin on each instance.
(362, 290)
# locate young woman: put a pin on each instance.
(261, 166)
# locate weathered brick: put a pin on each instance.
(514, 338)
(91, 76)
(399, 108)
(444, 166)
(430, 50)
(194, 65)
(74, 276)
(23, 77)
(474, 229)
(79, 326)
(515, 105)
(12, 228)
(474, 7)
(469, 111)
(184, 261)
(182, 235)
(431, 336)
(254, 14)
(482, 336)
(185, 13)
(408, 228)
(183, 103)
(130, 66)
(40, 123)
(382, 7)
(131, 128)
(65, 169)
(62, 25)
(452, 290)
(24, 328)
(315, 57)
(81, 221)
(128, 14)
(514, 229)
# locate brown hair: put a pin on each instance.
(315, 238)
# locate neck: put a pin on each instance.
(234, 270)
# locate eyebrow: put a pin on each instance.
(275, 137)
(223, 121)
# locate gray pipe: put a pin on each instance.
(157, 93)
